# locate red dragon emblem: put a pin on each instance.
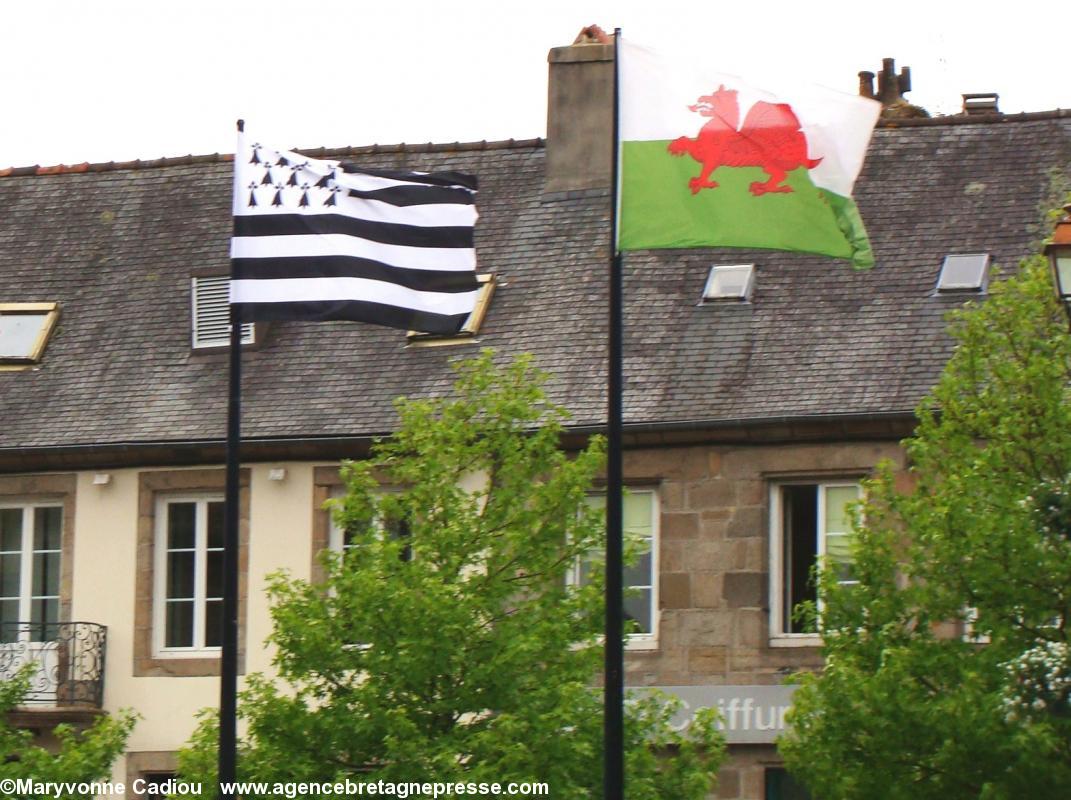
(770, 139)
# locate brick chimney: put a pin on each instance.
(891, 90)
(580, 113)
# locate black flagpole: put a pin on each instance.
(228, 670)
(614, 677)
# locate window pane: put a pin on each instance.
(44, 614)
(585, 569)
(398, 530)
(215, 524)
(179, 624)
(46, 574)
(19, 334)
(837, 500)
(11, 529)
(636, 511)
(800, 547)
(639, 574)
(10, 572)
(349, 538)
(180, 525)
(839, 554)
(47, 528)
(155, 783)
(214, 574)
(638, 607)
(839, 547)
(780, 785)
(214, 623)
(180, 575)
(838, 529)
(9, 616)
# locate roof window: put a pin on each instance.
(964, 273)
(472, 324)
(24, 331)
(211, 313)
(729, 283)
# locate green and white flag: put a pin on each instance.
(710, 160)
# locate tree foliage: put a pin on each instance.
(947, 671)
(77, 757)
(448, 643)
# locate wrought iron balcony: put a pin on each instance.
(67, 661)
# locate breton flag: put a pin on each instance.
(708, 159)
(325, 240)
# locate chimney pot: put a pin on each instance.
(866, 84)
(891, 89)
(905, 80)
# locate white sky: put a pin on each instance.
(102, 80)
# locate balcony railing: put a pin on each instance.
(67, 661)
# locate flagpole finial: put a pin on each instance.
(241, 125)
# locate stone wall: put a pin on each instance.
(714, 570)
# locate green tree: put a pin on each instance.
(947, 667)
(77, 756)
(448, 642)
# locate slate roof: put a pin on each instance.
(117, 246)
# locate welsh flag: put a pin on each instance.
(709, 160)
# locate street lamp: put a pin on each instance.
(1059, 253)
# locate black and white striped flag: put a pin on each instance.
(323, 240)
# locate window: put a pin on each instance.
(340, 539)
(472, 324)
(189, 574)
(178, 581)
(149, 771)
(156, 784)
(964, 273)
(809, 524)
(780, 785)
(31, 538)
(970, 625)
(24, 331)
(730, 283)
(211, 313)
(640, 524)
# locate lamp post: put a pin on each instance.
(1059, 254)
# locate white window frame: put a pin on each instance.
(27, 552)
(198, 649)
(649, 640)
(779, 636)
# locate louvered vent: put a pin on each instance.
(211, 313)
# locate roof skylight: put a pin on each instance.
(472, 324)
(967, 272)
(24, 331)
(730, 282)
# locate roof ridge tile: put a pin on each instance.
(320, 152)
